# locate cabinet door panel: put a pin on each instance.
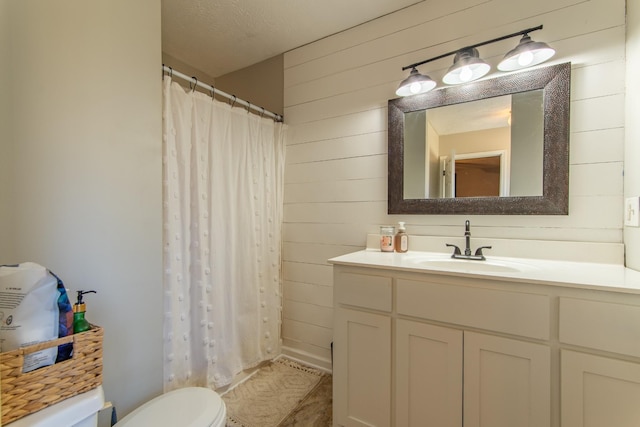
(428, 375)
(506, 382)
(362, 369)
(598, 391)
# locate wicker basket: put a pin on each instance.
(26, 393)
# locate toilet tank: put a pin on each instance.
(77, 411)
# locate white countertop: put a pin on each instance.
(609, 277)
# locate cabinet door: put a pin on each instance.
(428, 375)
(598, 391)
(506, 382)
(362, 369)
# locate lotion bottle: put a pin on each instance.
(80, 324)
(401, 239)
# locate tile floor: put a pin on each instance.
(315, 409)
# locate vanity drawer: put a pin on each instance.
(515, 313)
(600, 325)
(363, 290)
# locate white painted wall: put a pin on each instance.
(84, 148)
(5, 119)
(336, 93)
(632, 128)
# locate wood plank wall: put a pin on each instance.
(336, 93)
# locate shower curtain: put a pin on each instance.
(223, 183)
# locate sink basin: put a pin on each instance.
(470, 266)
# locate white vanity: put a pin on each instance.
(423, 340)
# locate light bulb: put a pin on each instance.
(414, 88)
(465, 74)
(525, 58)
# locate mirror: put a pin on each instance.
(488, 148)
(498, 146)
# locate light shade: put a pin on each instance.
(414, 84)
(467, 66)
(527, 54)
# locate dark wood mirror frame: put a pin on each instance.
(555, 81)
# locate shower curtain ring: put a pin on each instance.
(234, 101)
(169, 73)
(213, 92)
(262, 114)
(194, 85)
(248, 106)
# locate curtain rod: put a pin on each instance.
(259, 110)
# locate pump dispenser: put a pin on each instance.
(80, 324)
(401, 239)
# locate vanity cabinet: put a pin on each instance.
(362, 351)
(555, 345)
(362, 361)
(598, 388)
(599, 391)
(449, 369)
(506, 381)
(428, 393)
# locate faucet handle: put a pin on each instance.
(456, 250)
(479, 250)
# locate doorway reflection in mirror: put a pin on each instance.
(486, 148)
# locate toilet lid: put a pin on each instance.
(185, 407)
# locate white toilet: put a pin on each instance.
(185, 407)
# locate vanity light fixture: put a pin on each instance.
(468, 66)
(527, 54)
(414, 84)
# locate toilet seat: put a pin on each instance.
(185, 407)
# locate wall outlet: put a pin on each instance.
(632, 211)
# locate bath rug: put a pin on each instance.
(271, 394)
(315, 410)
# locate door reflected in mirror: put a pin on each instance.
(487, 148)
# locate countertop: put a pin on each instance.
(584, 275)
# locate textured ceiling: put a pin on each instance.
(221, 36)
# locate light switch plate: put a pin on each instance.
(631, 211)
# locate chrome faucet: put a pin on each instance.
(478, 256)
(467, 238)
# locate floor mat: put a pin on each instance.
(315, 410)
(271, 394)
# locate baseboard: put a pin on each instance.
(307, 359)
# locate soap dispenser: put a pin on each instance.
(80, 324)
(401, 239)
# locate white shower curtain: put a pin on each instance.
(223, 183)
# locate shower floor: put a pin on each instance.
(281, 393)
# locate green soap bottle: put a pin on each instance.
(80, 324)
